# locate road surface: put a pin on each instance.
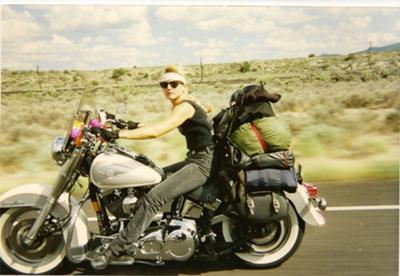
(361, 237)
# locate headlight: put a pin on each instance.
(56, 150)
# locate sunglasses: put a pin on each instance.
(174, 84)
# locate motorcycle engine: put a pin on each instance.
(176, 240)
(179, 243)
(121, 203)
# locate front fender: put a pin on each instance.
(304, 207)
(76, 234)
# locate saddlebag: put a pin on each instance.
(264, 206)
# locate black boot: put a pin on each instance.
(102, 257)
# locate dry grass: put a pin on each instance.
(339, 108)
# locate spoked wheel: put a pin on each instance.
(278, 241)
(43, 256)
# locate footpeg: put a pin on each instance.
(123, 260)
(154, 263)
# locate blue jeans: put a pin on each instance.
(187, 175)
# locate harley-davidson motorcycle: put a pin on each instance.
(41, 226)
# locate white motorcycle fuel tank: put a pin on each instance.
(112, 170)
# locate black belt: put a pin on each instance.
(207, 149)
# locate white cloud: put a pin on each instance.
(89, 37)
(243, 19)
(397, 25)
(348, 41)
(378, 39)
(347, 12)
(93, 17)
(360, 22)
(19, 26)
(123, 56)
(139, 34)
(92, 40)
(313, 30)
(212, 49)
(288, 42)
(17, 64)
(60, 41)
(190, 43)
(57, 45)
(71, 34)
(217, 43)
(209, 53)
(129, 22)
(81, 55)
(254, 45)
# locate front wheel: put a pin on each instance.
(279, 241)
(43, 256)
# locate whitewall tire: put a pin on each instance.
(42, 257)
(279, 243)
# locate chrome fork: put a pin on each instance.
(59, 186)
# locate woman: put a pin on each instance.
(191, 120)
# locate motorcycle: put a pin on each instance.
(41, 226)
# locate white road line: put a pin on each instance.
(334, 209)
(363, 208)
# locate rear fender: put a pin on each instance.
(76, 234)
(304, 207)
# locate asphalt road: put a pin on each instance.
(353, 242)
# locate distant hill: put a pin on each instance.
(329, 55)
(387, 48)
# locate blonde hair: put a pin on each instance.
(187, 96)
(172, 69)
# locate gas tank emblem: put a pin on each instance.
(110, 173)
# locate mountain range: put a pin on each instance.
(387, 48)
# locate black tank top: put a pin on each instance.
(197, 130)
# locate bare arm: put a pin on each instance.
(180, 113)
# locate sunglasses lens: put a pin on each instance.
(174, 84)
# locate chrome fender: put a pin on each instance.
(76, 233)
(304, 207)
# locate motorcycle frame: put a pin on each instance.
(76, 232)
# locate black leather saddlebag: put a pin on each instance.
(262, 207)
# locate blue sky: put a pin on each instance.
(96, 37)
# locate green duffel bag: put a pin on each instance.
(268, 134)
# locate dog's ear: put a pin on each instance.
(271, 97)
(274, 97)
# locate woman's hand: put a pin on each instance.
(121, 124)
(109, 135)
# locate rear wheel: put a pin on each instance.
(45, 255)
(279, 241)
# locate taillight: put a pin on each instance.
(311, 189)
